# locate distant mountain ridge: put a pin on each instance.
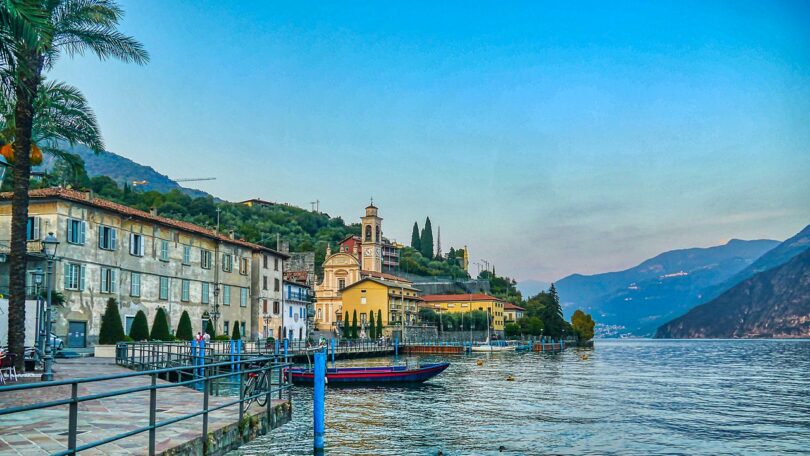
(124, 171)
(773, 303)
(660, 288)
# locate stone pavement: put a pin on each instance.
(44, 431)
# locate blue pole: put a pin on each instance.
(396, 346)
(333, 351)
(275, 350)
(286, 344)
(231, 350)
(202, 358)
(239, 354)
(318, 401)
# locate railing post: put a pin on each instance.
(205, 415)
(319, 383)
(286, 346)
(333, 351)
(152, 413)
(275, 347)
(241, 397)
(73, 417)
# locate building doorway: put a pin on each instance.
(77, 334)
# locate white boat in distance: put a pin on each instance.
(493, 348)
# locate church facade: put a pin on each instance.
(353, 262)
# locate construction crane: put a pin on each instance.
(138, 183)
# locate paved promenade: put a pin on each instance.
(43, 432)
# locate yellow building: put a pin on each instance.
(348, 266)
(393, 300)
(459, 303)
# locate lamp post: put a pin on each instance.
(49, 246)
(39, 277)
(214, 314)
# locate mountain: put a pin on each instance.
(777, 256)
(529, 288)
(124, 170)
(639, 299)
(774, 303)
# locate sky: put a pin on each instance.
(549, 137)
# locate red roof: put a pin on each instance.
(383, 275)
(509, 306)
(88, 199)
(299, 277)
(460, 297)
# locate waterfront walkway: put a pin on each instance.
(41, 432)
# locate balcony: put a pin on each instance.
(33, 248)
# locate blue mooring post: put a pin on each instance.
(231, 350)
(275, 350)
(318, 401)
(238, 355)
(286, 345)
(333, 351)
(202, 359)
(396, 346)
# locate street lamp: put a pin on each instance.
(215, 313)
(49, 246)
(39, 277)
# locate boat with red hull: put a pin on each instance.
(361, 375)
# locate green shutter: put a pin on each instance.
(81, 277)
(67, 276)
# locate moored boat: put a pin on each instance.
(370, 375)
(492, 348)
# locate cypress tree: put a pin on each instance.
(372, 328)
(426, 243)
(347, 333)
(354, 324)
(184, 331)
(416, 242)
(112, 331)
(160, 327)
(140, 327)
(236, 335)
(379, 323)
(209, 328)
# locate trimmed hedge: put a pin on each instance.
(140, 327)
(112, 331)
(184, 331)
(160, 327)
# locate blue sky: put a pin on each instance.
(551, 138)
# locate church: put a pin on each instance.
(354, 282)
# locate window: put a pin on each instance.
(368, 232)
(164, 288)
(226, 326)
(341, 284)
(227, 262)
(186, 254)
(164, 250)
(108, 280)
(243, 297)
(136, 244)
(184, 290)
(264, 282)
(226, 295)
(130, 319)
(275, 308)
(32, 229)
(204, 292)
(265, 261)
(243, 266)
(107, 237)
(74, 276)
(264, 307)
(205, 258)
(277, 285)
(275, 264)
(135, 284)
(377, 233)
(290, 312)
(75, 232)
(243, 332)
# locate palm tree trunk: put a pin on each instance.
(29, 77)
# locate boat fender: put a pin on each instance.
(510, 378)
(583, 357)
(479, 362)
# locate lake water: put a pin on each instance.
(630, 397)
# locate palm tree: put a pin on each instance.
(72, 27)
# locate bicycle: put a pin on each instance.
(257, 382)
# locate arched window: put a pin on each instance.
(368, 232)
(378, 234)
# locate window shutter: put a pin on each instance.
(104, 284)
(81, 277)
(67, 276)
(132, 243)
(142, 250)
(37, 226)
(113, 281)
(100, 236)
(113, 239)
(70, 230)
(82, 228)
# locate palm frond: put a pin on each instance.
(62, 115)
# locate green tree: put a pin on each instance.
(235, 334)
(531, 326)
(416, 242)
(552, 315)
(582, 325)
(347, 331)
(184, 331)
(71, 26)
(160, 326)
(426, 241)
(209, 328)
(379, 323)
(511, 330)
(354, 324)
(112, 331)
(140, 327)
(372, 328)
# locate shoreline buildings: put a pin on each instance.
(464, 303)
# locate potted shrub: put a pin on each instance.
(111, 332)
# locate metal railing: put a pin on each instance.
(203, 377)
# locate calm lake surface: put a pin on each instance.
(629, 397)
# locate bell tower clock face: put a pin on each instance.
(368, 252)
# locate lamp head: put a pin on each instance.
(49, 246)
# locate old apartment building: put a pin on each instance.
(145, 262)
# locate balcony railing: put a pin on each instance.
(31, 247)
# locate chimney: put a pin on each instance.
(88, 195)
(152, 210)
(285, 247)
(232, 234)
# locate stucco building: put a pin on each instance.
(144, 261)
(463, 303)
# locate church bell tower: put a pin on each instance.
(371, 240)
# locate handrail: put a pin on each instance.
(271, 365)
